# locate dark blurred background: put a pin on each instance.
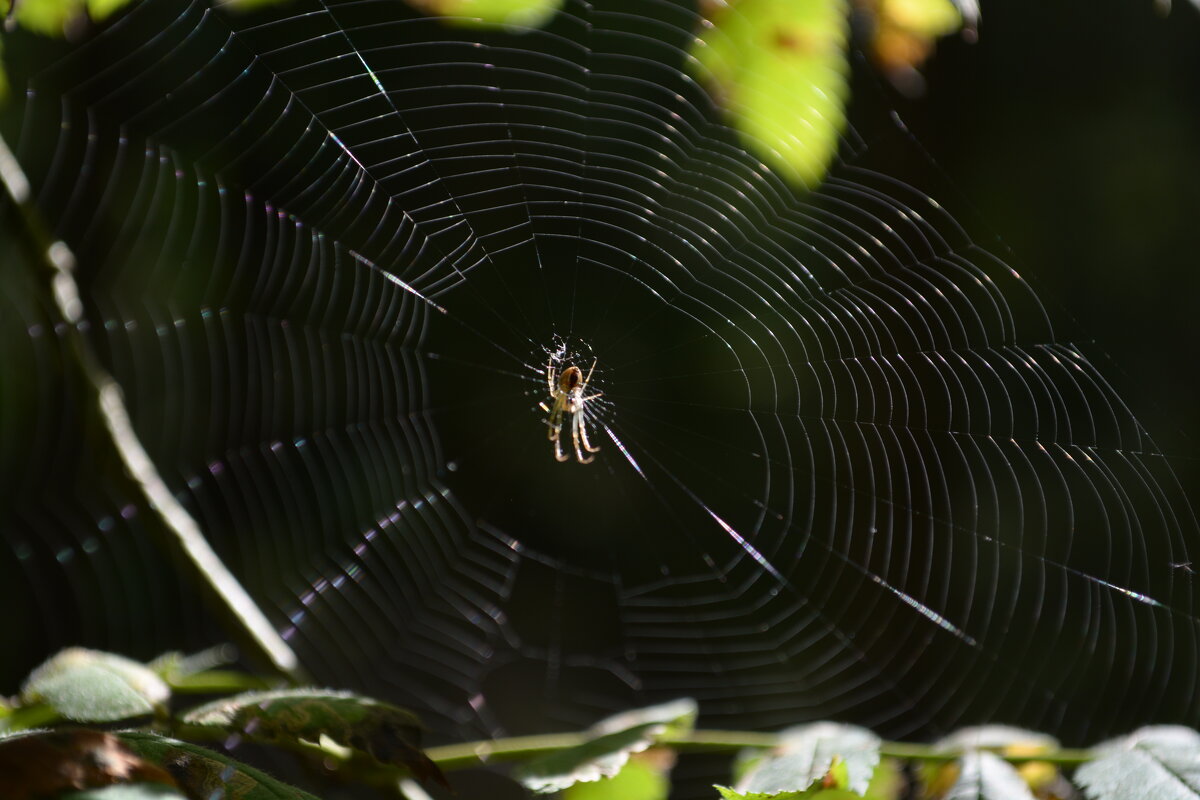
(1073, 129)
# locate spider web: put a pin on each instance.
(848, 467)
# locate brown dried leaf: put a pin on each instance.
(43, 764)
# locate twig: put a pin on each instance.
(517, 748)
(187, 536)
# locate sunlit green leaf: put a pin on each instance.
(779, 69)
(92, 686)
(515, 14)
(824, 754)
(747, 759)
(612, 741)
(388, 733)
(1155, 763)
(887, 782)
(100, 10)
(49, 17)
(205, 773)
(637, 780)
(923, 17)
(816, 793)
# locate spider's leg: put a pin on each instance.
(554, 424)
(588, 378)
(550, 375)
(559, 455)
(576, 430)
(583, 435)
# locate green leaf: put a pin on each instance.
(174, 664)
(201, 772)
(983, 775)
(816, 793)
(747, 760)
(924, 17)
(1155, 763)
(47, 17)
(195, 673)
(779, 69)
(612, 741)
(637, 780)
(129, 791)
(100, 10)
(826, 753)
(887, 782)
(511, 14)
(91, 686)
(246, 6)
(389, 734)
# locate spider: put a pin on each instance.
(567, 391)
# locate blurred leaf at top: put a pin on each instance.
(512, 14)
(903, 34)
(56, 18)
(779, 69)
(60, 17)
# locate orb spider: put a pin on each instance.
(567, 391)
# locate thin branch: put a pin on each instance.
(187, 536)
(518, 748)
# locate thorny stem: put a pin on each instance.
(517, 748)
(186, 536)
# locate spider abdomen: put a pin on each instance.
(570, 379)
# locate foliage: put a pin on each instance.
(778, 69)
(291, 717)
(202, 772)
(608, 746)
(514, 15)
(337, 728)
(624, 757)
(89, 686)
(827, 754)
(1161, 762)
